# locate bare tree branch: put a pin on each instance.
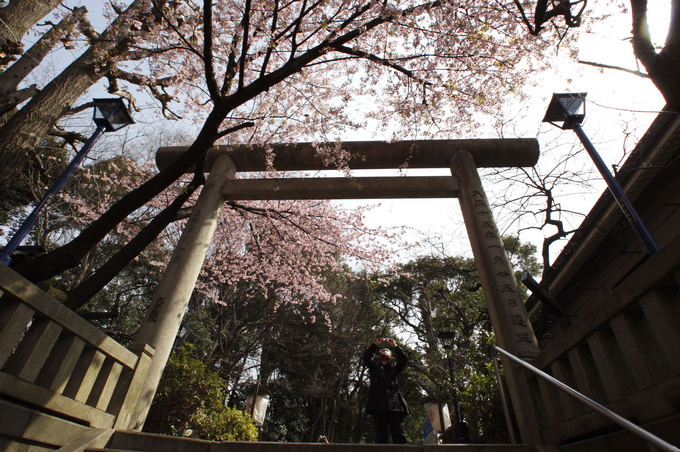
(617, 68)
(379, 60)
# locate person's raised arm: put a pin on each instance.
(368, 354)
(402, 359)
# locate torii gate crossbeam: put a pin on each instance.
(508, 315)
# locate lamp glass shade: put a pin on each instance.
(111, 114)
(446, 338)
(566, 108)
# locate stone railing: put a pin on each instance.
(623, 353)
(54, 362)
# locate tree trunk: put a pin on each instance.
(16, 19)
(30, 124)
(10, 79)
(663, 66)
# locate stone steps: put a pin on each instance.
(146, 442)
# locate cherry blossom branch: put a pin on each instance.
(179, 34)
(143, 52)
(270, 47)
(244, 48)
(525, 19)
(296, 29)
(233, 129)
(542, 14)
(208, 50)
(332, 40)
(269, 213)
(229, 74)
(80, 295)
(293, 24)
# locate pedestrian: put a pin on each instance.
(385, 401)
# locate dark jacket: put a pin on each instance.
(384, 395)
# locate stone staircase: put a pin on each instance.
(26, 429)
(134, 441)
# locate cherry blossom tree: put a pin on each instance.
(288, 245)
(288, 248)
(256, 72)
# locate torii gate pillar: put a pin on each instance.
(506, 309)
(164, 316)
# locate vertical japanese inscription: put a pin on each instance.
(511, 325)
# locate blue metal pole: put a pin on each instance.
(615, 189)
(27, 225)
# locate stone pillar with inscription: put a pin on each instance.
(169, 304)
(508, 315)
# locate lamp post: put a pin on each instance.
(109, 115)
(447, 339)
(567, 111)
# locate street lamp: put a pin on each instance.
(567, 111)
(447, 339)
(109, 115)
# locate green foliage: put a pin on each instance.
(313, 371)
(228, 424)
(522, 256)
(190, 396)
(481, 406)
(433, 294)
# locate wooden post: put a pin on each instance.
(506, 310)
(124, 408)
(167, 309)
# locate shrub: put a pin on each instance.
(191, 396)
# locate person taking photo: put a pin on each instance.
(385, 401)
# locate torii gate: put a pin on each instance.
(507, 312)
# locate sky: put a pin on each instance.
(620, 107)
